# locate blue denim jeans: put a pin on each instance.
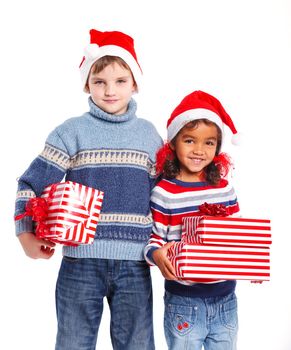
(81, 287)
(191, 323)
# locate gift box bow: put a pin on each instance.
(66, 212)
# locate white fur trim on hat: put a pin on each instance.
(93, 52)
(190, 115)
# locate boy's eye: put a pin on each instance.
(120, 81)
(98, 82)
(188, 141)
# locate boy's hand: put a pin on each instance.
(36, 248)
(161, 260)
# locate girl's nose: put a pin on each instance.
(198, 152)
(198, 149)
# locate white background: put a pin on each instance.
(237, 50)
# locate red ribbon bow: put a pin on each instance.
(37, 208)
(213, 209)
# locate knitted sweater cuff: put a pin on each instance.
(23, 225)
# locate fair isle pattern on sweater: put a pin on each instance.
(56, 157)
(108, 157)
(115, 154)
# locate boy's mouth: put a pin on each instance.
(110, 101)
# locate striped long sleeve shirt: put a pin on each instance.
(171, 200)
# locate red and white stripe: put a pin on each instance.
(227, 231)
(73, 213)
(209, 263)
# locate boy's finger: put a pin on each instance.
(47, 243)
(46, 252)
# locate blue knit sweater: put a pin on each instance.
(115, 154)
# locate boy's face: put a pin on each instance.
(112, 88)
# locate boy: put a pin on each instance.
(110, 149)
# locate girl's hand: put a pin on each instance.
(161, 260)
(36, 248)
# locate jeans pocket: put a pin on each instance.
(228, 313)
(70, 259)
(180, 319)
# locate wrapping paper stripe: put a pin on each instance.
(227, 231)
(73, 213)
(209, 263)
(189, 229)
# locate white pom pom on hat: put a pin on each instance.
(112, 43)
(200, 105)
(236, 139)
(92, 51)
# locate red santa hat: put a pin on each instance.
(200, 105)
(110, 44)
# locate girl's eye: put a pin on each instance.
(211, 143)
(188, 141)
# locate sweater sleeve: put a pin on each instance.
(157, 144)
(161, 219)
(233, 205)
(49, 167)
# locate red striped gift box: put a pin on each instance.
(73, 213)
(211, 263)
(227, 231)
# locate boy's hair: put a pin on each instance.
(212, 173)
(105, 61)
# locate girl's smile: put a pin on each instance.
(195, 149)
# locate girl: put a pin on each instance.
(193, 169)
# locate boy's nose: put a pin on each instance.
(109, 91)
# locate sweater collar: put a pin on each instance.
(100, 114)
(189, 184)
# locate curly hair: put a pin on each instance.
(172, 166)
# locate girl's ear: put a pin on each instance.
(172, 146)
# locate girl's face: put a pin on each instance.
(195, 149)
(112, 88)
